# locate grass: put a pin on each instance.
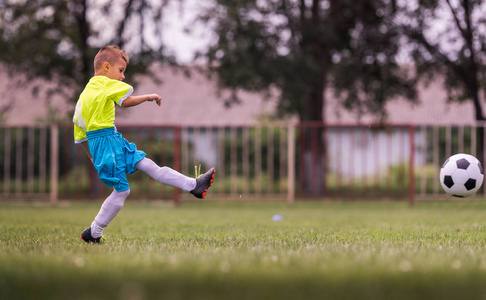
(204, 250)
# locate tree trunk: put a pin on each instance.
(313, 144)
(84, 33)
(474, 91)
(472, 71)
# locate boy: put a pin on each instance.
(112, 155)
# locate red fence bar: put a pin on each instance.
(177, 160)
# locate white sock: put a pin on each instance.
(166, 175)
(109, 209)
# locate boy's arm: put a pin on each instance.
(136, 100)
(86, 149)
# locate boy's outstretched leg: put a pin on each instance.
(166, 175)
(197, 186)
(110, 208)
(203, 182)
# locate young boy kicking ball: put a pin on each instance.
(112, 155)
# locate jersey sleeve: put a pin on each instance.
(79, 135)
(79, 124)
(118, 91)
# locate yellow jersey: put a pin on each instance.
(95, 108)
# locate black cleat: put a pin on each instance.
(203, 182)
(86, 236)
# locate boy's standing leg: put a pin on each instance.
(165, 175)
(113, 157)
(109, 209)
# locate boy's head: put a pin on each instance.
(111, 61)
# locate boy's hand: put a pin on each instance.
(156, 98)
(136, 100)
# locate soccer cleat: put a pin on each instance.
(86, 236)
(203, 182)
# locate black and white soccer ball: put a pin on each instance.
(461, 175)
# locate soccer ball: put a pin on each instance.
(461, 175)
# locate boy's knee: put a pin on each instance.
(125, 193)
(120, 197)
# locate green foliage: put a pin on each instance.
(349, 250)
(453, 51)
(58, 39)
(305, 48)
(41, 38)
(391, 183)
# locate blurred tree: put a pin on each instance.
(447, 39)
(57, 39)
(305, 47)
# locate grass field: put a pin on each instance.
(204, 250)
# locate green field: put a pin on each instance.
(205, 250)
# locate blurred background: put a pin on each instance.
(289, 100)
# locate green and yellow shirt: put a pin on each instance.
(95, 108)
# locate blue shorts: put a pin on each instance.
(113, 157)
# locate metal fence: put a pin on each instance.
(274, 161)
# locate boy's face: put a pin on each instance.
(115, 71)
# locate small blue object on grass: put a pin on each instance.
(277, 218)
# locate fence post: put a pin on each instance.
(411, 175)
(177, 161)
(54, 163)
(6, 161)
(291, 164)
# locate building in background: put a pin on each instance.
(195, 101)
